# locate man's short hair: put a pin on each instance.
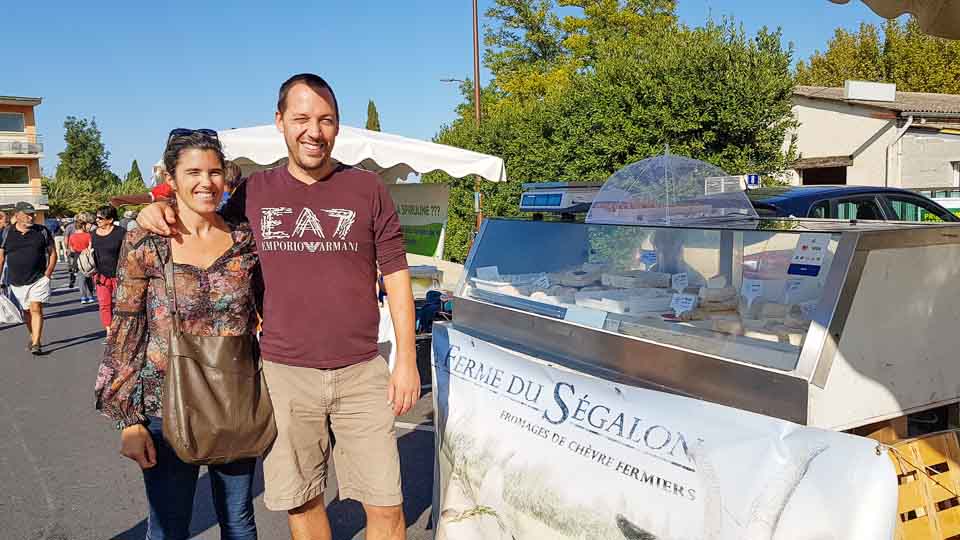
(315, 82)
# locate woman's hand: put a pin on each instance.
(137, 444)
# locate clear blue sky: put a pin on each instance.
(143, 68)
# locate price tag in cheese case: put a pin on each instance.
(792, 288)
(682, 303)
(751, 290)
(488, 272)
(648, 257)
(680, 281)
(585, 316)
(542, 282)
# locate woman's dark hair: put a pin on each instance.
(195, 141)
(108, 212)
(232, 174)
(315, 82)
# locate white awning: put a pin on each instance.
(936, 17)
(391, 156)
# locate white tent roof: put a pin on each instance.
(936, 17)
(392, 156)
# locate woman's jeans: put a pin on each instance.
(171, 484)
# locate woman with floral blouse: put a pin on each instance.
(214, 267)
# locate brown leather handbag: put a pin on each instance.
(215, 403)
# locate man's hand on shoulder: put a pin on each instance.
(157, 218)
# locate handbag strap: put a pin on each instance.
(171, 288)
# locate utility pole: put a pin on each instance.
(478, 202)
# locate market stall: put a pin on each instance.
(674, 367)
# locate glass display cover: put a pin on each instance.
(746, 295)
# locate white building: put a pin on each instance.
(869, 134)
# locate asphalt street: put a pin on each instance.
(61, 474)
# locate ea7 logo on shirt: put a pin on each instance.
(276, 238)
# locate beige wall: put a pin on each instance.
(927, 158)
(839, 129)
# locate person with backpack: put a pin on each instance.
(106, 239)
(31, 256)
(78, 242)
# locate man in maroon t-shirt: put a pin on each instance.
(323, 232)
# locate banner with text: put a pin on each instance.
(528, 450)
(423, 213)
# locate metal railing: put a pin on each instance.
(31, 145)
(11, 194)
(940, 192)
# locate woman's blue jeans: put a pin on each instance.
(171, 485)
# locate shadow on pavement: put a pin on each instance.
(73, 341)
(64, 303)
(346, 517)
(92, 308)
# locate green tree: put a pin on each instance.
(627, 81)
(85, 157)
(373, 117)
(83, 180)
(901, 54)
(133, 182)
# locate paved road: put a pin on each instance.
(62, 478)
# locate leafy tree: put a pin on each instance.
(615, 84)
(83, 180)
(133, 183)
(85, 157)
(373, 117)
(901, 54)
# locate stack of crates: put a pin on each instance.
(928, 473)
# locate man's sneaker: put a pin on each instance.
(36, 350)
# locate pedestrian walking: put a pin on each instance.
(212, 294)
(336, 224)
(78, 241)
(56, 229)
(107, 239)
(68, 230)
(30, 254)
(4, 278)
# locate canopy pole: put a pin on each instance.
(477, 197)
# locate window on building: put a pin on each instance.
(11, 122)
(14, 175)
(956, 173)
(824, 176)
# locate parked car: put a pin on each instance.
(847, 202)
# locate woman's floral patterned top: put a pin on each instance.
(217, 301)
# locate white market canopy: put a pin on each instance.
(936, 17)
(391, 156)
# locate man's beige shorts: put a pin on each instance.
(354, 401)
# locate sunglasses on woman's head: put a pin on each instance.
(183, 132)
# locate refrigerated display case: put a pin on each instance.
(833, 324)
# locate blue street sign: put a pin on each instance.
(753, 180)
